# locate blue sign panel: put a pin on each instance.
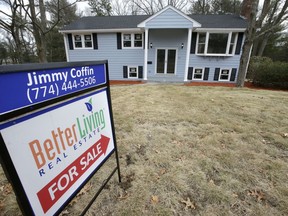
(22, 89)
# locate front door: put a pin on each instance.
(166, 61)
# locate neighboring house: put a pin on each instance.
(166, 46)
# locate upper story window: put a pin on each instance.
(132, 40)
(83, 41)
(217, 44)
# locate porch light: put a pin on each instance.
(151, 45)
(182, 45)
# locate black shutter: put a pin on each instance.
(239, 43)
(140, 72)
(95, 40)
(70, 41)
(119, 41)
(206, 74)
(190, 73)
(233, 74)
(193, 43)
(216, 75)
(125, 72)
(143, 40)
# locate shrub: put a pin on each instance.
(270, 74)
(255, 63)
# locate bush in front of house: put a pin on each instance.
(266, 73)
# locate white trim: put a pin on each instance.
(195, 23)
(66, 47)
(207, 44)
(132, 40)
(187, 54)
(220, 30)
(146, 54)
(82, 41)
(166, 60)
(203, 71)
(82, 31)
(229, 76)
(128, 71)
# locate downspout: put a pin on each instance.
(66, 48)
(146, 54)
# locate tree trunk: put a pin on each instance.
(262, 46)
(38, 34)
(251, 5)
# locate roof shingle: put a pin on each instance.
(131, 21)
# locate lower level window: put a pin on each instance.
(198, 74)
(224, 75)
(133, 72)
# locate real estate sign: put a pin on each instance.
(54, 150)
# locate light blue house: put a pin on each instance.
(166, 46)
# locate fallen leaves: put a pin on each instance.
(285, 135)
(188, 204)
(257, 194)
(154, 199)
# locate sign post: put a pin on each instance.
(57, 130)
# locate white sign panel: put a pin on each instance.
(57, 149)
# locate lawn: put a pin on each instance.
(190, 151)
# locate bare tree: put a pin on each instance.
(249, 10)
(270, 22)
(153, 6)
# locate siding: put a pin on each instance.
(107, 49)
(167, 38)
(169, 19)
(214, 62)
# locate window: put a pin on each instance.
(197, 74)
(224, 75)
(83, 41)
(132, 40)
(215, 43)
(232, 43)
(138, 40)
(132, 72)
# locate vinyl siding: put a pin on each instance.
(169, 19)
(172, 39)
(107, 50)
(214, 62)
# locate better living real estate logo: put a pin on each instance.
(52, 151)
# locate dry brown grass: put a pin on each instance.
(192, 151)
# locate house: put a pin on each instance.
(167, 46)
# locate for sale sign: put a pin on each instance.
(56, 149)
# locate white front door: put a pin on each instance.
(166, 61)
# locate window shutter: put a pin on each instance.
(193, 43)
(143, 40)
(233, 74)
(216, 75)
(125, 72)
(239, 43)
(206, 74)
(140, 72)
(70, 41)
(119, 40)
(190, 72)
(95, 40)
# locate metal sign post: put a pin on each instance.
(56, 131)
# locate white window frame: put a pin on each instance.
(82, 41)
(229, 42)
(229, 75)
(197, 68)
(131, 77)
(132, 40)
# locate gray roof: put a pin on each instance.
(122, 22)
